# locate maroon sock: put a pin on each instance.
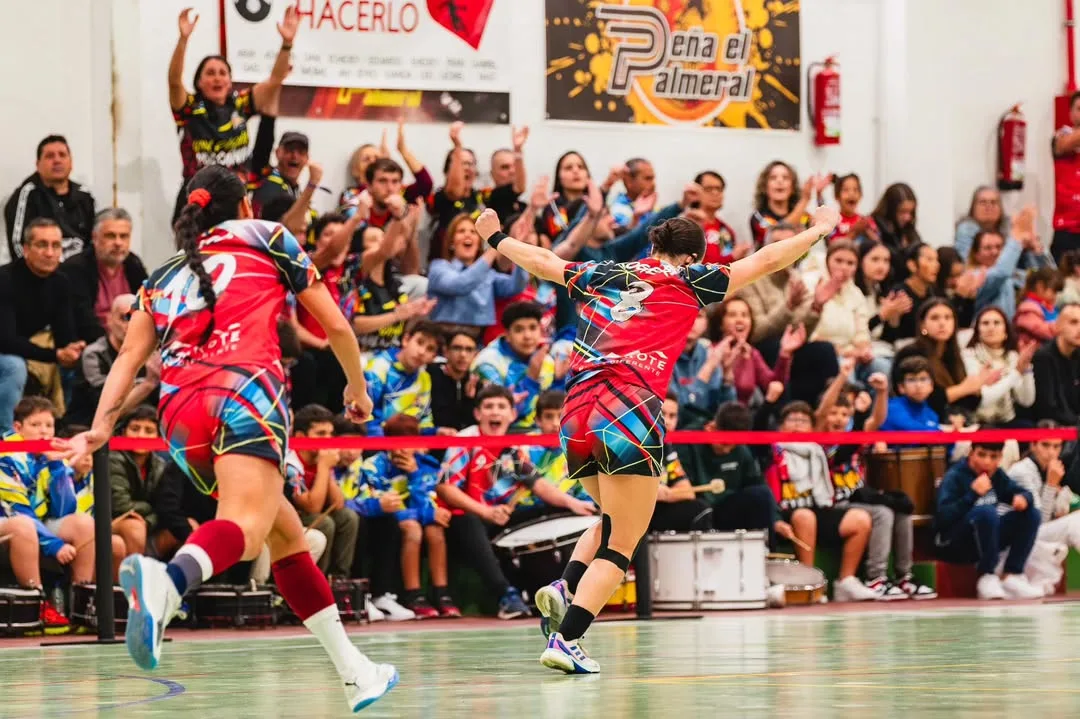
(302, 584)
(209, 551)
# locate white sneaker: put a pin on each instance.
(374, 614)
(1016, 586)
(989, 587)
(372, 683)
(152, 603)
(388, 605)
(850, 589)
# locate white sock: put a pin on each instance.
(350, 662)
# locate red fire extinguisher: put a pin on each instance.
(824, 105)
(1012, 144)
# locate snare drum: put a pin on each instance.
(802, 584)
(20, 611)
(708, 570)
(534, 554)
(84, 607)
(915, 471)
(218, 605)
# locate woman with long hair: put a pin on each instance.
(213, 309)
(634, 318)
(778, 199)
(885, 309)
(895, 220)
(994, 344)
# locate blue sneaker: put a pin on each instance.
(512, 606)
(386, 678)
(567, 656)
(552, 602)
(152, 602)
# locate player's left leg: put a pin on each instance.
(554, 599)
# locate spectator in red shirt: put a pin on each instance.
(1066, 149)
(721, 245)
(852, 225)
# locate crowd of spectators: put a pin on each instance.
(874, 329)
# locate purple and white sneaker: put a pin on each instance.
(567, 656)
(552, 601)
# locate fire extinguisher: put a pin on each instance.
(824, 105)
(1012, 143)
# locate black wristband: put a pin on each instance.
(495, 239)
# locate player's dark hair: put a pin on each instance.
(524, 310)
(401, 425)
(383, 164)
(345, 427)
(733, 417)
(28, 406)
(551, 400)
(226, 191)
(310, 415)
(678, 236)
(494, 391)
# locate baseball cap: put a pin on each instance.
(294, 138)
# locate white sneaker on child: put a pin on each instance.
(389, 606)
(989, 587)
(1016, 586)
(850, 589)
(374, 614)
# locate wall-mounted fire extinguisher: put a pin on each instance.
(1012, 143)
(824, 106)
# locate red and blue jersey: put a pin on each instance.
(634, 317)
(254, 265)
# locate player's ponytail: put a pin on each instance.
(678, 236)
(214, 196)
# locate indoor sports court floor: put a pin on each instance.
(998, 661)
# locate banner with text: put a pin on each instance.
(722, 63)
(439, 45)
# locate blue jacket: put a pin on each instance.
(955, 497)
(39, 488)
(998, 289)
(467, 295)
(393, 390)
(907, 416)
(703, 397)
(365, 481)
(499, 364)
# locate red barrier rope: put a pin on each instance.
(551, 440)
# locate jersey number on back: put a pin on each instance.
(183, 289)
(630, 301)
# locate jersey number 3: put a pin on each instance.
(630, 301)
(182, 292)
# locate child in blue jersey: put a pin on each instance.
(398, 380)
(911, 411)
(550, 462)
(403, 481)
(519, 361)
(40, 486)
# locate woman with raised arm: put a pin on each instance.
(633, 321)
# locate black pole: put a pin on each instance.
(106, 621)
(643, 579)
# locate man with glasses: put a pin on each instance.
(453, 387)
(37, 320)
(721, 245)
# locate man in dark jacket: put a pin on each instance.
(1057, 370)
(105, 270)
(50, 193)
(980, 513)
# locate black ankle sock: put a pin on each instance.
(576, 622)
(441, 592)
(573, 573)
(411, 595)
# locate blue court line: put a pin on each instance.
(175, 689)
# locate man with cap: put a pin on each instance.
(277, 196)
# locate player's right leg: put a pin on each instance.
(554, 599)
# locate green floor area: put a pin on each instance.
(997, 661)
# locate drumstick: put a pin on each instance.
(716, 486)
(122, 517)
(801, 544)
(320, 518)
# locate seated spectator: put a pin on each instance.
(852, 227)
(678, 508)
(910, 411)
(134, 477)
(721, 245)
(366, 155)
(176, 518)
(638, 197)
(1069, 270)
(703, 378)
(919, 284)
(404, 480)
(1037, 312)
(1057, 371)
(969, 527)
(480, 487)
(779, 201)
(550, 462)
(894, 217)
(453, 386)
(891, 529)
(1041, 473)
(749, 371)
(49, 194)
(746, 502)
(22, 552)
(323, 499)
(884, 309)
(464, 282)
(398, 380)
(37, 320)
(802, 484)
(958, 283)
(994, 345)
(105, 270)
(519, 361)
(985, 215)
(40, 487)
(379, 539)
(96, 361)
(998, 259)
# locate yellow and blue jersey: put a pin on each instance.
(37, 487)
(499, 364)
(550, 462)
(395, 390)
(84, 494)
(365, 481)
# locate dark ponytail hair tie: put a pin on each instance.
(199, 197)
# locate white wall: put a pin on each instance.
(923, 85)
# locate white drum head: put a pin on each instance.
(545, 531)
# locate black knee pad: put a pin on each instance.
(604, 552)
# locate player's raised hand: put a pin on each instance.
(487, 224)
(187, 21)
(826, 218)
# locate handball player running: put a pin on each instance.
(224, 413)
(632, 324)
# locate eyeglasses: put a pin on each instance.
(461, 348)
(712, 189)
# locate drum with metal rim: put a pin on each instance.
(708, 570)
(535, 553)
